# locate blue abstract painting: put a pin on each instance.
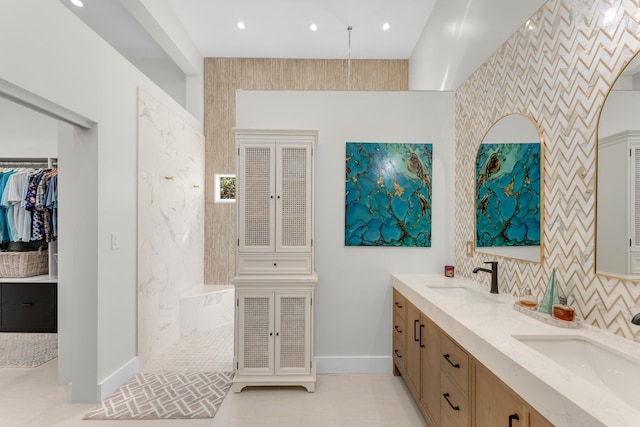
(508, 195)
(388, 194)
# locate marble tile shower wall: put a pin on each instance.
(557, 68)
(170, 223)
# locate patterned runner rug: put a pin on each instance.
(157, 395)
(27, 350)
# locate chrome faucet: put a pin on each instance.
(636, 319)
(494, 276)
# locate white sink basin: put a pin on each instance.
(465, 295)
(596, 363)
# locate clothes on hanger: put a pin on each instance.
(28, 204)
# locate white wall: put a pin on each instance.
(353, 295)
(46, 50)
(460, 35)
(26, 133)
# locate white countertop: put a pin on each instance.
(486, 331)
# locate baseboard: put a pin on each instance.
(354, 364)
(118, 378)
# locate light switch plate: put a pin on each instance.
(469, 248)
(115, 240)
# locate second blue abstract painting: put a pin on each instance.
(508, 195)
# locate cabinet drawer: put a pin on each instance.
(455, 362)
(269, 264)
(635, 263)
(454, 403)
(28, 307)
(399, 358)
(399, 304)
(399, 329)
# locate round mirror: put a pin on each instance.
(618, 191)
(508, 205)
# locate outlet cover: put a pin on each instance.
(469, 246)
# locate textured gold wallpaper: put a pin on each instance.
(222, 77)
(558, 69)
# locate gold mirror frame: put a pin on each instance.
(507, 251)
(632, 63)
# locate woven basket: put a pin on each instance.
(24, 264)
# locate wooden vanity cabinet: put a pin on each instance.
(429, 402)
(451, 388)
(498, 405)
(412, 377)
(416, 343)
(455, 405)
(399, 333)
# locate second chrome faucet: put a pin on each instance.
(494, 274)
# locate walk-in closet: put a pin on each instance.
(28, 236)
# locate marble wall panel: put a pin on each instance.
(170, 223)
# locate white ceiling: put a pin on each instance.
(451, 38)
(280, 28)
(274, 28)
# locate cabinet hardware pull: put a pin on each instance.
(421, 328)
(270, 334)
(415, 322)
(27, 304)
(455, 365)
(277, 334)
(275, 264)
(455, 408)
(397, 329)
(397, 354)
(513, 417)
(398, 304)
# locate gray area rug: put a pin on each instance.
(169, 395)
(27, 350)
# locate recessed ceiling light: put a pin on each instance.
(77, 3)
(386, 26)
(241, 25)
(313, 27)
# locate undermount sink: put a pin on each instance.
(465, 295)
(601, 365)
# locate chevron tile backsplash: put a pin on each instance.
(557, 69)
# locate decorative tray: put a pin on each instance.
(547, 318)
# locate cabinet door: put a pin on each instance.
(256, 197)
(430, 396)
(293, 332)
(413, 350)
(293, 197)
(255, 333)
(496, 404)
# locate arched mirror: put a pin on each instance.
(618, 191)
(508, 196)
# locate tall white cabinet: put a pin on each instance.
(275, 277)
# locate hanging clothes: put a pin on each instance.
(28, 205)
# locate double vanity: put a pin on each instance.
(470, 359)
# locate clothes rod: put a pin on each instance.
(28, 162)
(23, 164)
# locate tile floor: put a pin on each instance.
(31, 397)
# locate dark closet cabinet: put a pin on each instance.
(28, 307)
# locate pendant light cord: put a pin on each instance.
(349, 28)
